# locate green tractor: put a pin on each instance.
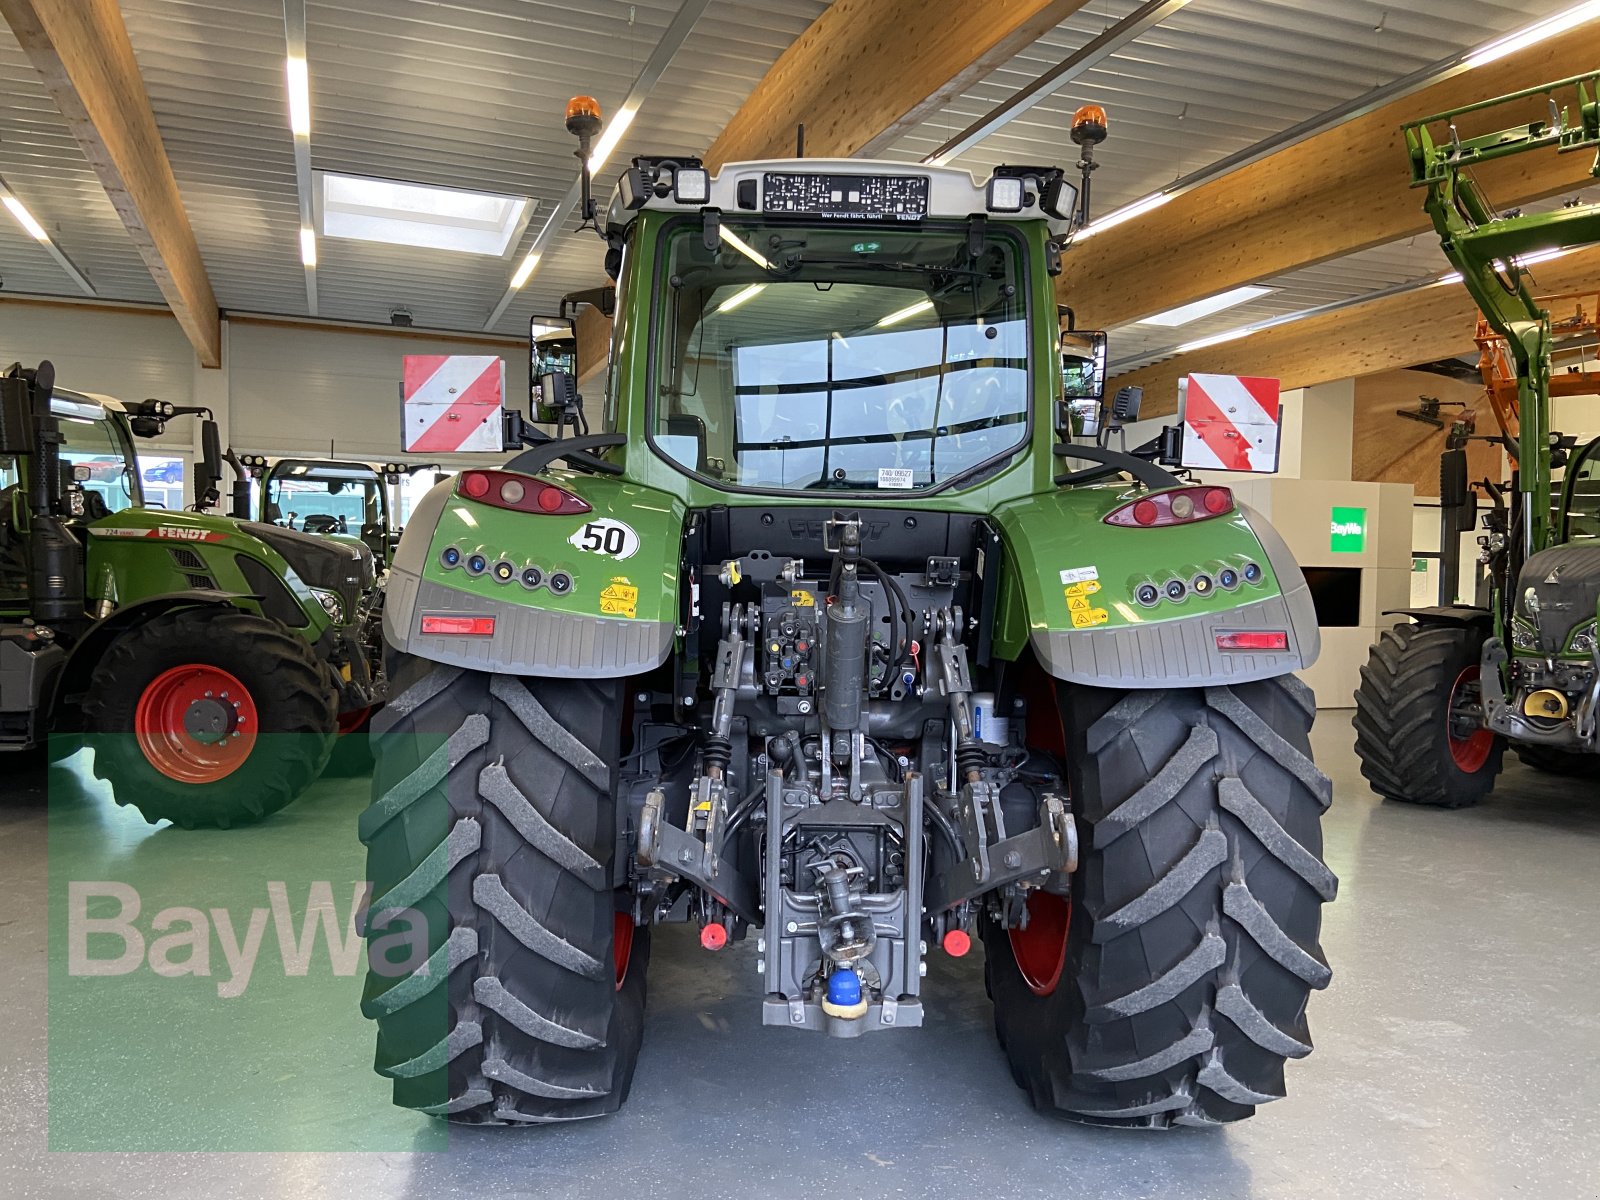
(352, 501)
(207, 661)
(814, 640)
(1444, 693)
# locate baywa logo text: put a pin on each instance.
(226, 944)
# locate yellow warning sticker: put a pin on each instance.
(619, 598)
(1087, 588)
(802, 599)
(1087, 617)
(1077, 604)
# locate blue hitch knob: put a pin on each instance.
(844, 997)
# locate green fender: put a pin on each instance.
(605, 603)
(1069, 592)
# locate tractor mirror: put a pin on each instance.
(1454, 494)
(16, 433)
(209, 475)
(1083, 364)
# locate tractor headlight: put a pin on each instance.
(1586, 640)
(1522, 637)
(331, 604)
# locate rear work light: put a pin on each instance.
(1264, 639)
(1178, 506)
(520, 493)
(471, 626)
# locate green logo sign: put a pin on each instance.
(1349, 531)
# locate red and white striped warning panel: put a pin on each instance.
(1230, 423)
(452, 402)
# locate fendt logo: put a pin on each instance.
(184, 535)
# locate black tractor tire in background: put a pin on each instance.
(1557, 762)
(493, 830)
(1416, 737)
(1190, 943)
(289, 689)
(352, 751)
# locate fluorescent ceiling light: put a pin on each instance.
(1126, 213)
(1453, 277)
(308, 246)
(539, 329)
(411, 214)
(744, 248)
(1216, 339)
(921, 306)
(25, 219)
(1528, 35)
(524, 269)
(609, 139)
(739, 297)
(1188, 313)
(299, 97)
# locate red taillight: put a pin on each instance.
(472, 626)
(1175, 506)
(519, 493)
(1269, 639)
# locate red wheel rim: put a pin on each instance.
(1041, 948)
(621, 945)
(195, 723)
(351, 721)
(1470, 743)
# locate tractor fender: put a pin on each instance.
(610, 614)
(88, 649)
(1078, 580)
(1464, 615)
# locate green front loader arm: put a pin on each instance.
(1485, 247)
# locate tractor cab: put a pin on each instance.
(345, 500)
(99, 476)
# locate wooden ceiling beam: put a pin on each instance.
(866, 71)
(81, 48)
(1397, 331)
(860, 76)
(1337, 192)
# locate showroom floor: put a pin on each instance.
(1456, 1054)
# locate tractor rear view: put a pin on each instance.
(1445, 693)
(814, 641)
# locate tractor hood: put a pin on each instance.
(321, 562)
(1559, 591)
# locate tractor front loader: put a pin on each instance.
(814, 641)
(1446, 692)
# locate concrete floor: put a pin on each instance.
(1458, 1047)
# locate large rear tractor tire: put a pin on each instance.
(492, 833)
(1419, 718)
(209, 717)
(1171, 987)
(1557, 762)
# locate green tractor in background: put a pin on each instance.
(1446, 692)
(207, 661)
(353, 501)
(814, 636)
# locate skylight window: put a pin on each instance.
(1204, 308)
(409, 214)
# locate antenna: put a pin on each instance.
(800, 140)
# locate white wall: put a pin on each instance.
(283, 389)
